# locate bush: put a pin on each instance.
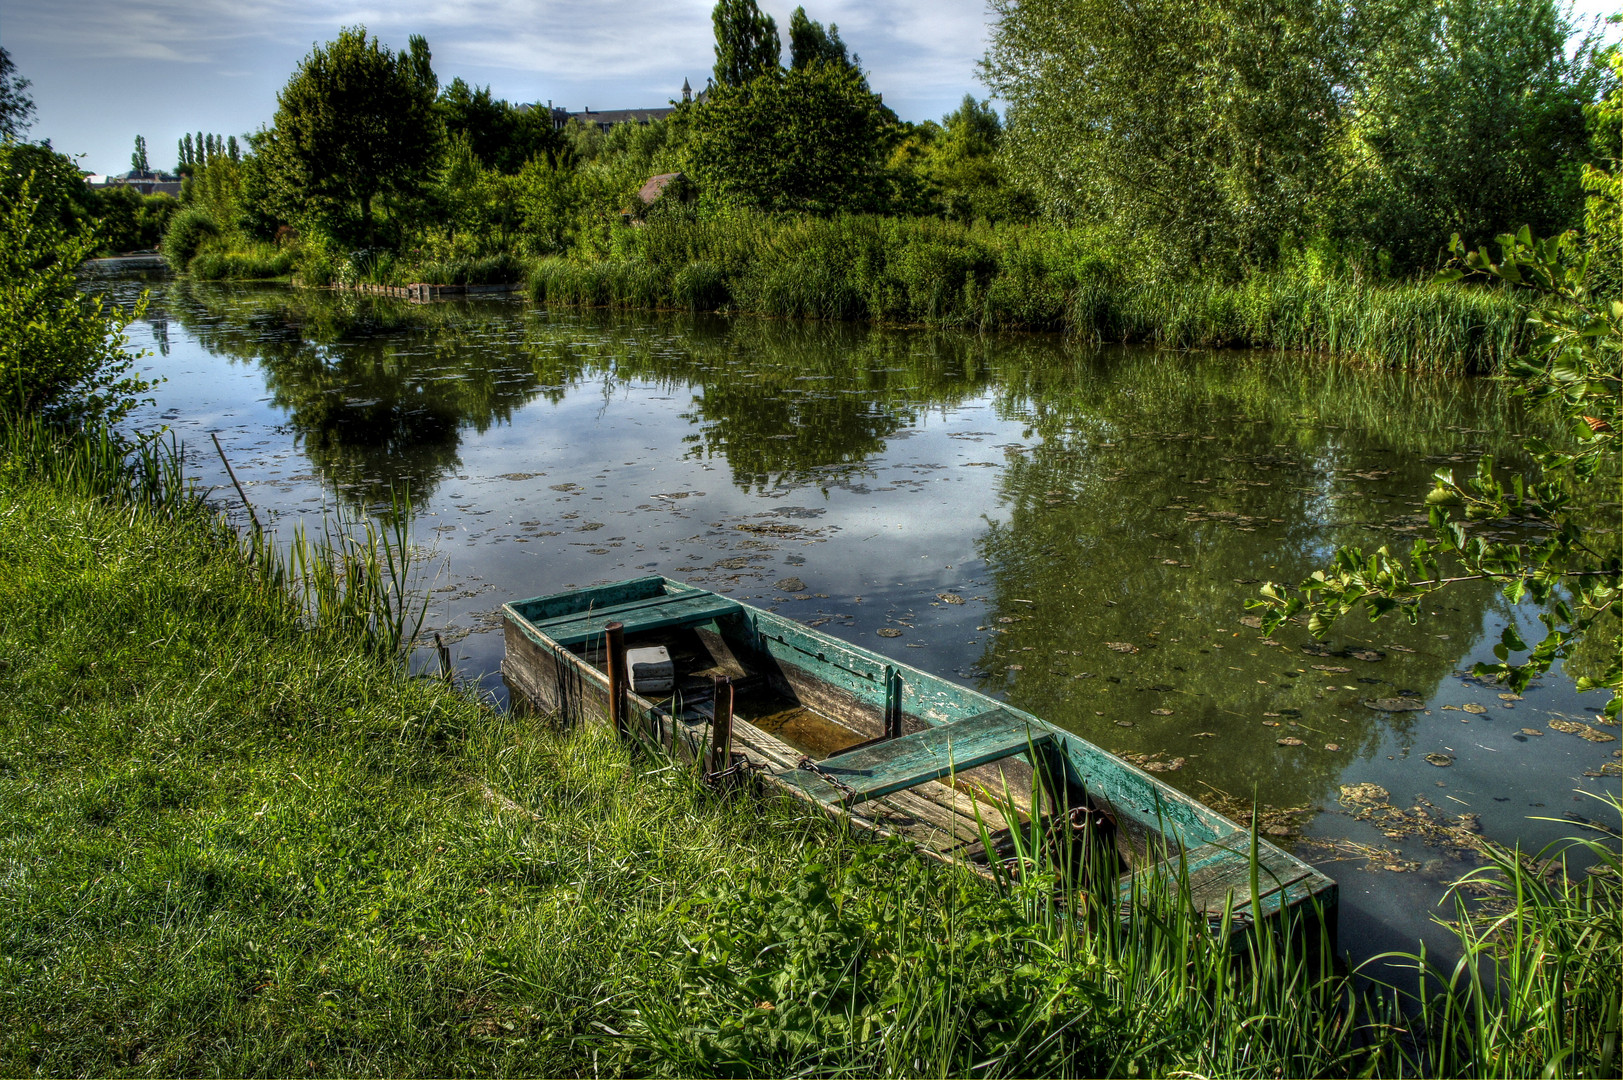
(186, 233)
(62, 353)
(241, 265)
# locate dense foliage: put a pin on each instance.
(1220, 133)
(354, 123)
(62, 353)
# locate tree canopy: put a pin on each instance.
(810, 44)
(1205, 129)
(808, 140)
(354, 122)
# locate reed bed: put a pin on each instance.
(980, 277)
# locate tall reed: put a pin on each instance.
(982, 277)
(357, 578)
(1539, 982)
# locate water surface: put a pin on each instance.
(1074, 530)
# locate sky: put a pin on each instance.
(104, 71)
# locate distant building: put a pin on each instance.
(604, 119)
(146, 182)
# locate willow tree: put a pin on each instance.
(355, 122)
(1206, 128)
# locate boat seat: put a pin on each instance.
(878, 769)
(1223, 867)
(650, 613)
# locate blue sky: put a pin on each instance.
(106, 70)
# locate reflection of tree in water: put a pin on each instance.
(1162, 489)
(378, 391)
(784, 403)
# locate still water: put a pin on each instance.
(1075, 530)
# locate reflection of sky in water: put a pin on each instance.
(1068, 499)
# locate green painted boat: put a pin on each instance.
(894, 749)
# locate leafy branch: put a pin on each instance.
(1562, 560)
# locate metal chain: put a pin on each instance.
(812, 767)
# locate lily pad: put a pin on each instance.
(1331, 668)
(1253, 621)
(1442, 761)
(1532, 731)
(1121, 647)
(1367, 655)
(790, 585)
(949, 598)
(1332, 747)
(1474, 709)
(888, 631)
(1290, 740)
(1160, 712)
(1395, 704)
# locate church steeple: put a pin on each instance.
(687, 92)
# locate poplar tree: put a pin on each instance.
(809, 43)
(138, 159)
(747, 45)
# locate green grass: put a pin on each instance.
(261, 263)
(981, 277)
(236, 837)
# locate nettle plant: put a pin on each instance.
(1567, 554)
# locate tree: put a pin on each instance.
(1470, 120)
(747, 44)
(16, 107)
(809, 140)
(810, 44)
(959, 166)
(353, 123)
(138, 159)
(1207, 130)
(502, 137)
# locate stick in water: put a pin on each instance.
(251, 515)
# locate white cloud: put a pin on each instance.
(215, 63)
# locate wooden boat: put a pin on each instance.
(895, 749)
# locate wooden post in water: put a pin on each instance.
(721, 731)
(616, 662)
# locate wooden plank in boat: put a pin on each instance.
(649, 613)
(896, 764)
(1216, 870)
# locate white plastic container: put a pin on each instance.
(649, 670)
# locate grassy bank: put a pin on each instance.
(907, 270)
(941, 273)
(236, 837)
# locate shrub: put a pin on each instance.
(62, 353)
(188, 229)
(240, 265)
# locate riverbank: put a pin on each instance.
(241, 840)
(893, 271)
